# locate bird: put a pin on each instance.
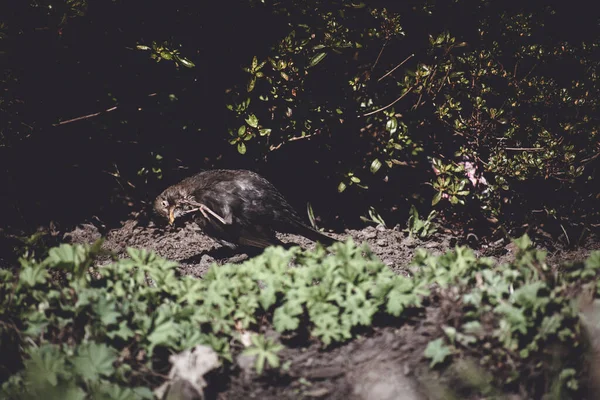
(236, 208)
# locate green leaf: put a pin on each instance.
(32, 275)
(264, 132)
(523, 242)
(105, 308)
(124, 332)
(185, 62)
(45, 365)
(316, 59)
(241, 131)
(36, 323)
(437, 351)
(375, 165)
(94, 360)
(251, 84)
(436, 198)
(265, 350)
(252, 121)
(64, 391)
(165, 333)
(593, 260)
(550, 325)
(285, 317)
(241, 148)
(400, 296)
(513, 316)
(391, 125)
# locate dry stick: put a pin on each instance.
(214, 214)
(396, 67)
(391, 104)
(292, 139)
(85, 116)
(379, 56)
(586, 160)
(202, 208)
(92, 115)
(524, 149)
(443, 80)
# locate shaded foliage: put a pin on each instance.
(483, 110)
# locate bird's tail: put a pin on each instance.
(315, 235)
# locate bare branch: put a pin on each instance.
(85, 116)
(396, 67)
(379, 56)
(391, 104)
(292, 139)
(92, 115)
(524, 149)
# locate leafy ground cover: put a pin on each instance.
(82, 323)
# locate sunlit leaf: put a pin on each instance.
(375, 165)
(316, 59)
(241, 148)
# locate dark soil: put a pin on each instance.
(383, 363)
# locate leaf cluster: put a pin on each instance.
(105, 331)
(99, 329)
(521, 321)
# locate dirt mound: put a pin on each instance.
(196, 252)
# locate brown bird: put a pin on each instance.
(235, 207)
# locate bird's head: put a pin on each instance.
(171, 204)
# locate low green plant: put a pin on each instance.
(87, 330)
(419, 227)
(520, 320)
(265, 350)
(79, 330)
(374, 217)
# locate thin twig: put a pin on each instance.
(86, 116)
(444, 80)
(292, 139)
(530, 71)
(379, 56)
(92, 115)
(586, 160)
(202, 208)
(211, 212)
(565, 232)
(396, 67)
(418, 103)
(391, 104)
(524, 149)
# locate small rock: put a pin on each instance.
(246, 363)
(316, 393)
(369, 234)
(383, 381)
(84, 233)
(186, 378)
(381, 243)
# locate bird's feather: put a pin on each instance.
(249, 208)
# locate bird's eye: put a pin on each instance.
(165, 203)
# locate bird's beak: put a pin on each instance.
(171, 215)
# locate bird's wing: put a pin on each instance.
(231, 217)
(255, 238)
